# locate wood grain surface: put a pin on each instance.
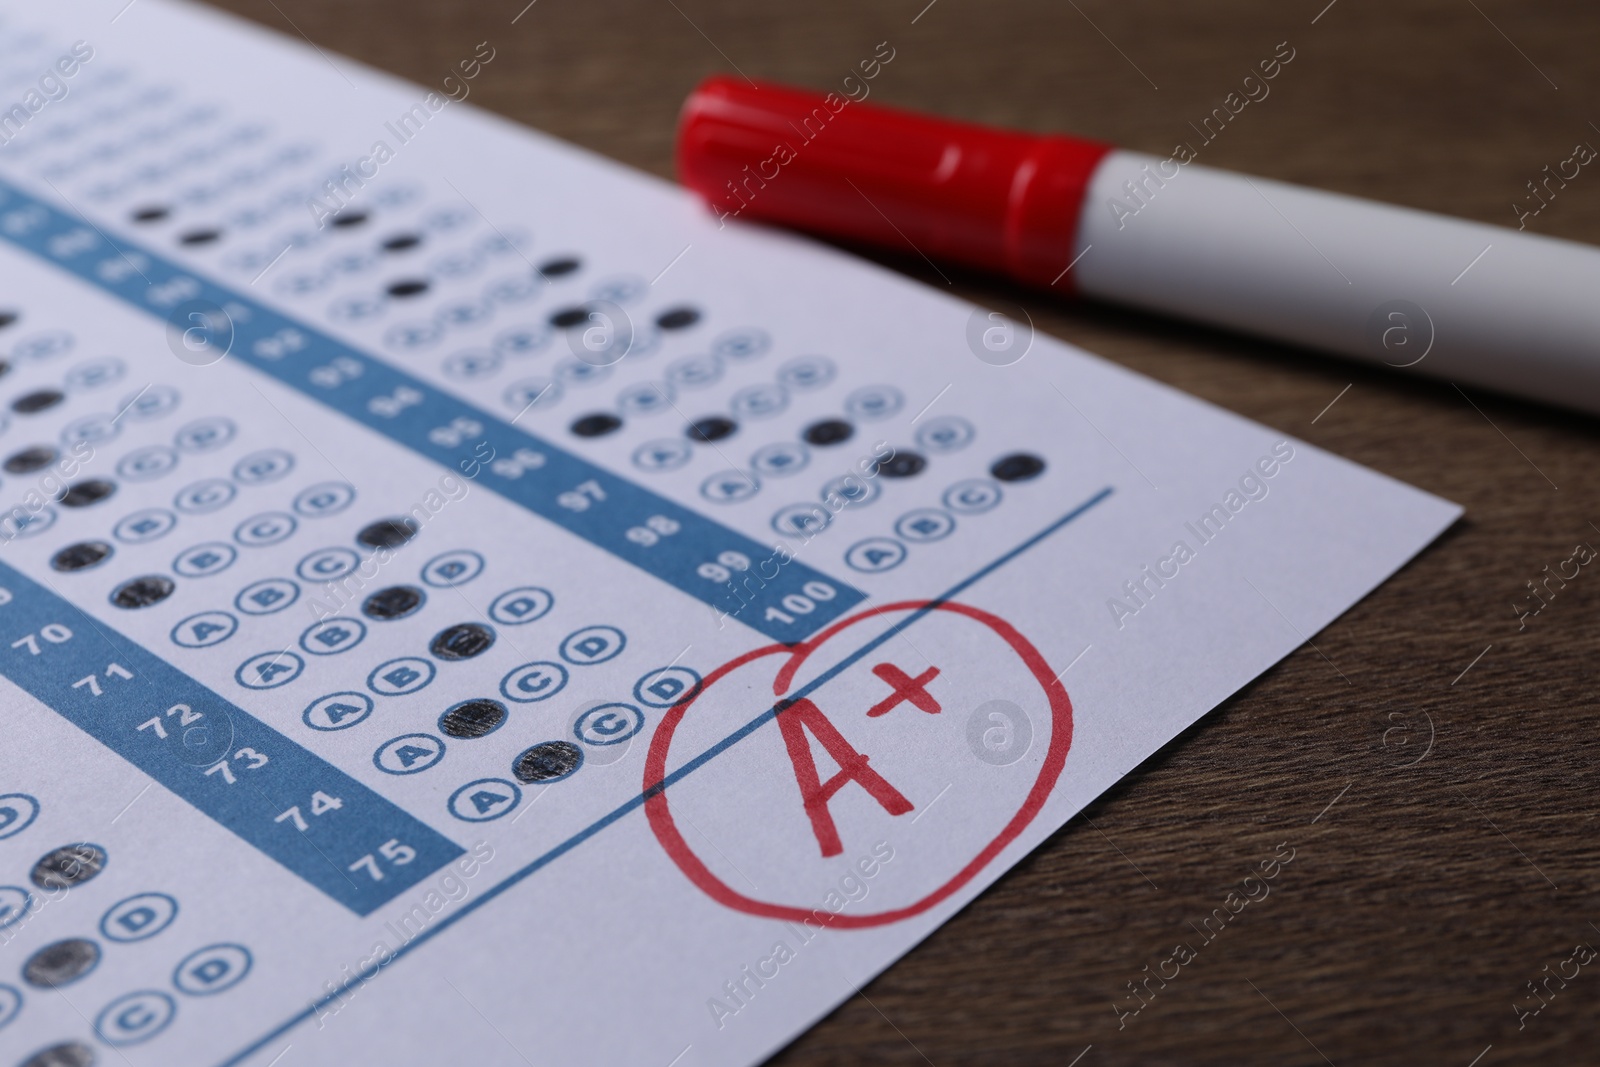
(1442, 819)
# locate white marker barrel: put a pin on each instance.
(1471, 303)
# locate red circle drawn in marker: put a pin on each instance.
(666, 829)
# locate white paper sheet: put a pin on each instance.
(432, 803)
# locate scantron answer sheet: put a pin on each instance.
(462, 603)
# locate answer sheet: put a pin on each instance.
(459, 603)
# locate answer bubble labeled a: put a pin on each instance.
(875, 555)
(205, 629)
(408, 754)
(337, 711)
(484, 800)
(268, 670)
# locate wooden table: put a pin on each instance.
(1429, 884)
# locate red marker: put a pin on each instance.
(1460, 300)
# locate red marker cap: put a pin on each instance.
(995, 199)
